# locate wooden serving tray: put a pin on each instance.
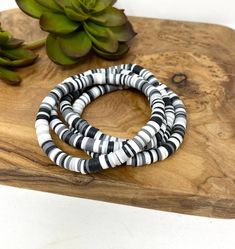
(198, 179)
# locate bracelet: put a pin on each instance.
(159, 138)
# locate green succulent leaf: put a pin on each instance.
(19, 53)
(75, 45)
(86, 4)
(5, 62)
(75, 15)
(16, 62)
(123, 33)
(78, 6)
(4, 37)
(20, 62)
(24, 62)
(55, 52)
(50, 4)
(10, 76)
(102, 4)
(95, 29)
(108, 44)
(57, 23)
(64, 3)
(13, 43)
(32, 8)
(12, 54)
(122, 49)
(110, 17)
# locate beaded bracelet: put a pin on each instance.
(159, 138)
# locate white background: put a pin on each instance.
(35, 220)
(216, 11)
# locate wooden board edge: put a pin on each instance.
(150, 198)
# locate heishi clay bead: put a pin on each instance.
(159, 138)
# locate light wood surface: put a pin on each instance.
(198, 179)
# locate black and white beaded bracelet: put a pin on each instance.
(159, 138)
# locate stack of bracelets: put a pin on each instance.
(159, 138)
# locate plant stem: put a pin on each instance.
(35, 44)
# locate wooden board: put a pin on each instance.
(199, 179)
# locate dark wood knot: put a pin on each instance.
(180, 79)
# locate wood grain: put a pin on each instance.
(199, 179)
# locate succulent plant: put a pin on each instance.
(78, 26)
(12, 55)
